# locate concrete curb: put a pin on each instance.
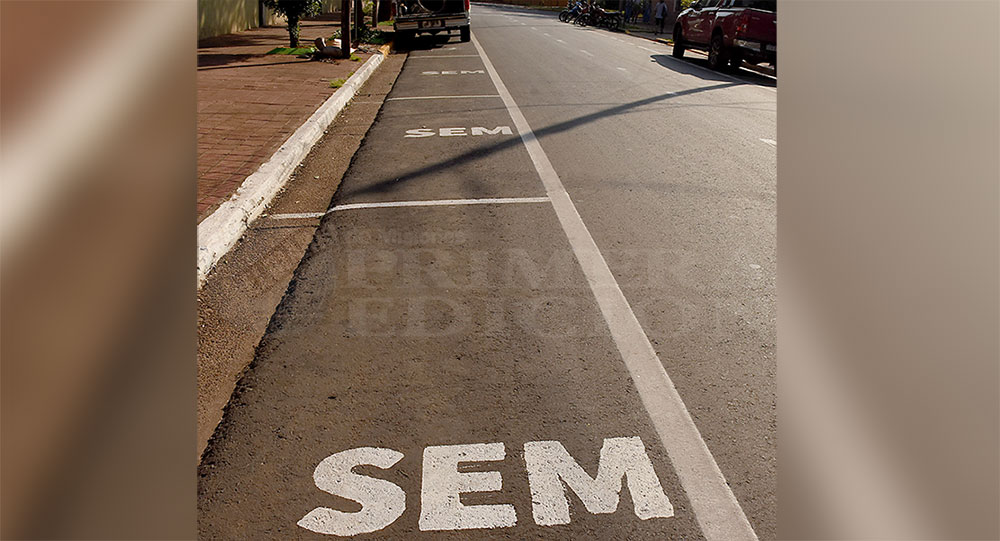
(218, 233)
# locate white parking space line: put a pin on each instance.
(771, 142)
(427, 203)
(588, 53)
(441, 97)
(716, 509)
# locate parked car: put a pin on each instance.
(431, 16)
(731, 31)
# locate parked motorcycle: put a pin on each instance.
(569, 15)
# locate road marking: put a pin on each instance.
(715, 507)
(418, 133)
(561, 41)
(622, 69)
(453, 72)
(441, 97)
(647, 49)
(551, 472)
(546, 34)
(533, 28)
(771, 142)
(426, 203)
(443, 483)
(586, 52)
(445, 56)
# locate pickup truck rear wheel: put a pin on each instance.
(717, 54)
(465, 33)
(678, 50)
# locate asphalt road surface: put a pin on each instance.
(542, 305)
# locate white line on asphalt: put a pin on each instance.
(646, 49)
(445, 56)
(771, 142)
(546, 34)
(622, 69)
(560, 41)
(427, 203)
(441, 97)
(533, 28)
(715, 507)
(586, 52)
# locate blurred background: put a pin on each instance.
(889, 280)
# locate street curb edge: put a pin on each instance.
(220, 231)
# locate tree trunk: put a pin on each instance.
(293, 31)
(345, 28)
(359, 18)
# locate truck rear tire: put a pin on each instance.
(465, 32)
(718, 56)
(678, 50)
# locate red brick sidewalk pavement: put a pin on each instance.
(249, 103)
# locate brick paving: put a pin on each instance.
(249, 102)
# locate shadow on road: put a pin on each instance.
(388, 184)
(698, 67)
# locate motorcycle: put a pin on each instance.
(571, 14)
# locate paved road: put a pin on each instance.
(541, 306)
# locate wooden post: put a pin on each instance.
(345, 28)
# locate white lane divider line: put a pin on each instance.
(561, 41)
(771, 142)
(646, 49)
(622, 69)
(588, 53)
(533, 28)
(427, 203)
(715, 507)
(442, 97)
(546, 34)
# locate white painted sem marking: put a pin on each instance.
(715, 507)
(588, 53)
(445, 56)
(453, 132)
(441, 97)
(550, 467)
(771, 142)
(560, 41)
(381, 502)
(440, 506)
(427, 203)
(622, 69)
(546, 34)
(459, 72)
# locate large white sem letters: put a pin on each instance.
(551, 471)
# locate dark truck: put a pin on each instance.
(732, 31)
(431, 16)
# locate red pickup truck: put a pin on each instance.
(732, 31)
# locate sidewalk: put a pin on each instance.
(249, 102)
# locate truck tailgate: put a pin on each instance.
(761, 26)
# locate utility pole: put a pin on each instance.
(345, 28)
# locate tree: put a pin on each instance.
(294, 11)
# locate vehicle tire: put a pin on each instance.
(678, 50)
(465, 32)
(718, 57)
(404, 39)
(564, 15)
(735, 61)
